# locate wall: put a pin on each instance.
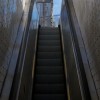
(11, 12)
(88, 15)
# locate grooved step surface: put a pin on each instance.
(49, 88)
(49, 55)
(49, 81)
(49, 48)
(49, 70)
(49, 33)
(49, 37)
(49, 97)
(49, 43)
(49, 62)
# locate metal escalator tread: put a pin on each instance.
(54, 70)
(49, 37)
(49, 80)
(49, 55)
(49, 33)
(49, 48)
(49, 97)
(49, 43)
(49, 88)
(49, 62)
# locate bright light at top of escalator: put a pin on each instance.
(57, 7)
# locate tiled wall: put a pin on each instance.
(88, 14)
(10, 16)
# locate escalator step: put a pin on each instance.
(48, 31)
(49, 43)
(49, 97)
(49, 79)
(49, 62)
(49, 88)
(49, 55)
(43, 32)
(49, 37)
(49, 70)
(49, 48)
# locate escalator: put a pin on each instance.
(49, 80)
(49, 65)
